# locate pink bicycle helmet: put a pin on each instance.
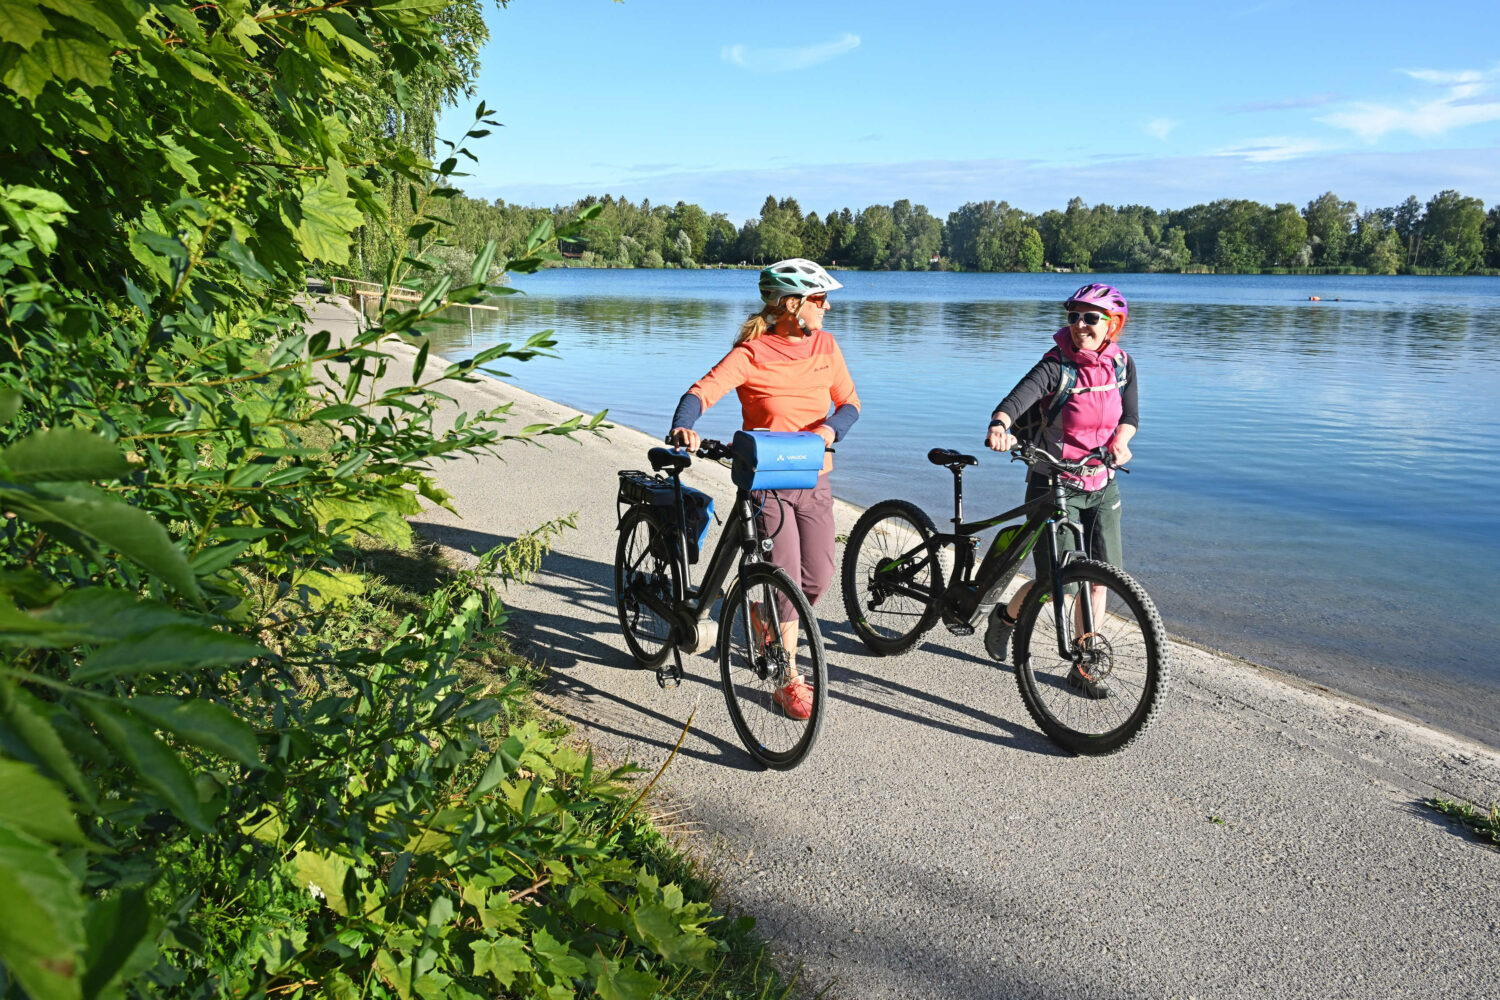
(1106, 297)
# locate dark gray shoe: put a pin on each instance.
(1086, 686)
(997, 635)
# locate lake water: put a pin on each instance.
(1311, 484)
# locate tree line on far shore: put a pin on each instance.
(1448, 234)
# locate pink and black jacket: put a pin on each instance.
(1097, 404)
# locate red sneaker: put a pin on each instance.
(795, 698)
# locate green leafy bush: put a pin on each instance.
(208, 787)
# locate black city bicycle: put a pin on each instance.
(663, 615)
(1091, 672)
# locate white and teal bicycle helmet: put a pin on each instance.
(796, 276)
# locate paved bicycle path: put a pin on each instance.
(1265, 838)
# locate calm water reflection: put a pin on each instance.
(1310, 488)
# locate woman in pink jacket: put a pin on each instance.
(1100, 411)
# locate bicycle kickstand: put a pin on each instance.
(670, 677)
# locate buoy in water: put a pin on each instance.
(1313, 298)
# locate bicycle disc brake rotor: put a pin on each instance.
(1094, 656)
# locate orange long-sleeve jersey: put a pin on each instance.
(783, 384)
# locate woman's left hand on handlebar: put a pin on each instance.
(684, 437)
(1120, 450)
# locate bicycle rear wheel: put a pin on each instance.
(891, 586)
(644, 565)
(754, 665)
(1106, 691)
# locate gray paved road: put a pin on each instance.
(1264, 839)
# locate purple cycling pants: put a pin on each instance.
(801, 525)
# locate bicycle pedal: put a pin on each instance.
(960, 628)
(668, 678)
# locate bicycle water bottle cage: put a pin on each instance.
(950, 459)
(668, 458)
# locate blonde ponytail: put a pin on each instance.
(756, 326)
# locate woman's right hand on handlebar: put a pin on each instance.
(999, 439)
(684, 437)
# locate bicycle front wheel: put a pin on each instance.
(891, 583)
(644, 566)
(1104, 692)
(775, 687)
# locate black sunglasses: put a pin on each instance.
(1089, 318)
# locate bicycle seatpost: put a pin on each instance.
(958, 496)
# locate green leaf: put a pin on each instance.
(21, 22)
(323, 876)
(479, 272)
(95, 15)
(326, 588)
(202, 723)
(420, 364)
(95, 515)
(212, 560)
(84, 60)
(174, 648)
(236, 253)
(34, 805)
(41, 918)
(504, 959)
(555, 956)
(122, 934)
(10, 405)
(28, 76)
(661, 928)
(152, 760)
(64, 454)
(30, 719)
(86, 615)
(329, 215)
(614, 982)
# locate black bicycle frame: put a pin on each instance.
(970, 595)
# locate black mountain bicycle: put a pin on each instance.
(663, 615)
(1091, 672)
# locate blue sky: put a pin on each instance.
(850, 104)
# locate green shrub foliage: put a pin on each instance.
(200, 794)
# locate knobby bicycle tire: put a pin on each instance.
(1107, 692)
(753, 665)
(644, 562)
(888, 622)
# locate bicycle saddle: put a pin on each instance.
(668, 458)
(950, 458)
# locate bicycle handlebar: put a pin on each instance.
(1087, 464)
(717, 451)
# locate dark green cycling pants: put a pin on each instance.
(1098, 512)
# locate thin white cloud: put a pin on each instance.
(787, 60)
(1160, 128)
(1288, 104)
(1446, 77)
(1469, 101)
(1273, 149)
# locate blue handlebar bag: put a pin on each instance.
(776, 460)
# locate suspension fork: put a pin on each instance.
(1066, 648)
